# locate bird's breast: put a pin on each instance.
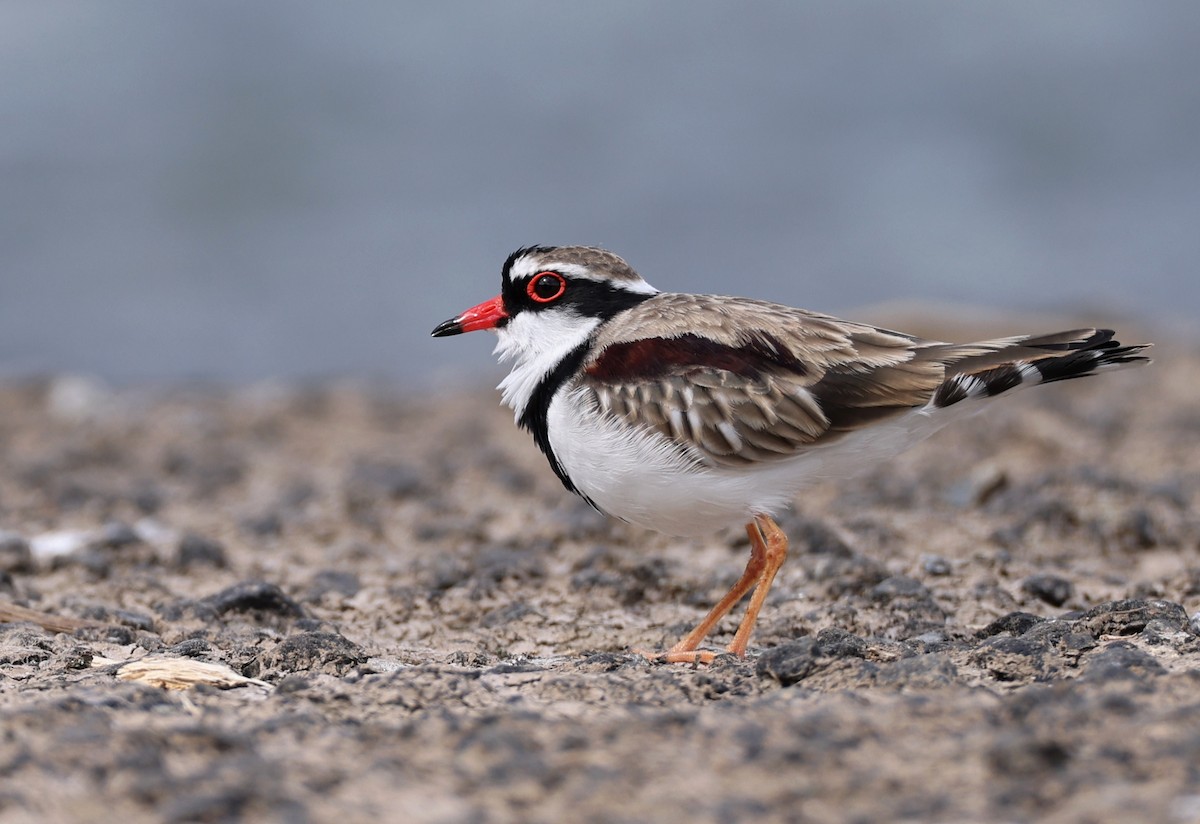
(639, 475)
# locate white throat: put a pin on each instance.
(537, 342)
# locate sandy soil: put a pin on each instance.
(414, 621)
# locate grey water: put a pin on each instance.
(287, 189)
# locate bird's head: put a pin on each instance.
(551, 299)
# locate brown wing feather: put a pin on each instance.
(741, 381)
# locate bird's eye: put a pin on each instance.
(547, 286)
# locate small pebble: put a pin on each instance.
(15, 555)
(197, 550)
(898, 586)
(935, 565)
(931, 637)
(116, 534)
(1052, 589)
(61, 542)
(253, 595)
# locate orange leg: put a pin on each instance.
(775, 553)
(766, 557)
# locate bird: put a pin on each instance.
(689, 413)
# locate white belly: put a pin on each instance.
(638, 476)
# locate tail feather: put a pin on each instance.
(986, 369)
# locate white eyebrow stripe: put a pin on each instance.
(574, 270)
(526, 267)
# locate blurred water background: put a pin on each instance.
(241, 191)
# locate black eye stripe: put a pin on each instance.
(585, 296)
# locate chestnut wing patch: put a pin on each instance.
(655, 358)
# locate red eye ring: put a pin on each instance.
(540, 285)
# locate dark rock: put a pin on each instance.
(606, 661)
(197, 550)
(790, 663)
(1078, 641)
(1053, 633)
(1160, 632)
(266, 525)
(1121, 660)
(1138, 531)
(307, 624)
(474, 660)
(15, 555)
(97, 562)
(1013, 659)
(928, 641)
(191, 648)
(510, 667)
(1024, 755)
(1027, 705)
(910, 598)
(935, 565)
(934, 669)
(446, 572)
(292, 684)
(1131, 616)
(186, 608)
(147, 498)
(71, 495)
(1052, 589)
(22, 644)
(129, 618)
(1014, 623)
(122, 636)
(742, 808)
(1056, 514)
(835, 642)
(227, 804)
(253, 596)
(326, 652)
(598, 579)
(116, 534)
(898, 586)
(78, 657)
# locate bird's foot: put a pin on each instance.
(680, 656)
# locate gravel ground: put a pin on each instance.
(405, 618)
